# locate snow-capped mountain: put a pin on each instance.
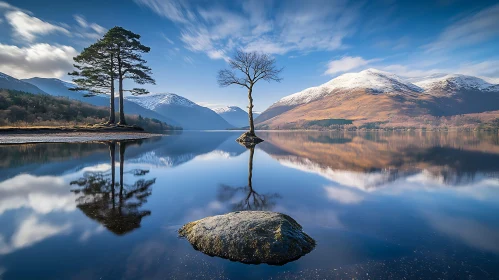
(372, 80)
(188, 114)
(234, 115)
(377, 96)
(456, 82)
(8, 82)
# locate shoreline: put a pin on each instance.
(29, 136)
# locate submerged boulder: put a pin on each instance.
(249, 237)
(249, 139)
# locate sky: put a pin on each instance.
(313, 40)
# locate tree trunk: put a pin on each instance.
(122, 112)
(250, 111)
(120, 78)
(112, 110)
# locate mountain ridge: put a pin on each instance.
(382, 97)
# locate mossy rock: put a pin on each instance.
(249, 140)
(249, 237)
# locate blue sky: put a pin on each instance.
(314, 41)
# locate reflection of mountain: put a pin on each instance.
(59, 158)
(114, 205)
(246, 198)
(47, 158)
(175, 150)
(367, 160)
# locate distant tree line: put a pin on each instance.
(24, 109)
(115, 57)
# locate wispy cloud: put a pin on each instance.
(347, 63)
(473, 29)
(299, 26)
(27, 27)
(87, 29)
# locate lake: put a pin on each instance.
(414, 205)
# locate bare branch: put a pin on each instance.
(253, 65)
(227, 78)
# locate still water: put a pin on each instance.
(380, 205)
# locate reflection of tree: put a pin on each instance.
(251, 200)
(119, 212)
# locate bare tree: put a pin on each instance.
(254, 67)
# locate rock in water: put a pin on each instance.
(249, 237)
(249, 140)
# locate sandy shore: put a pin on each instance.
(72, 137)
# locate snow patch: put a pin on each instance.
(227, 109)
(373, 80)
(456, 81)
(152, 101)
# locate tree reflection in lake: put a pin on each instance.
(118, 211)
(251, 199)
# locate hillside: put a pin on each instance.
(56, 87)
(182, 110)
(22, 109)
(373, 98)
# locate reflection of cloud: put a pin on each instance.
(481, 186)
(30, 232)
(474, 234)
(217, 154)
(343, 196)
(91, 232)
(359, 180)
(42, 194)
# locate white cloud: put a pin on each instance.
(87, 29)
(42, 60)
(472, 29)
(488, 70)
(172, 9)
(27, 28)
(81, 21)
(297, 27)
(345, 64)
(5, 5)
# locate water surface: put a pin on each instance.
(380, 205)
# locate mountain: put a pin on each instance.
(374, 96)
(61, 88)
(8, 82)
(371, 81)
(188, 114)
(234, 115)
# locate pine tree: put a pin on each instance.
(128, 51)
(96, 73)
